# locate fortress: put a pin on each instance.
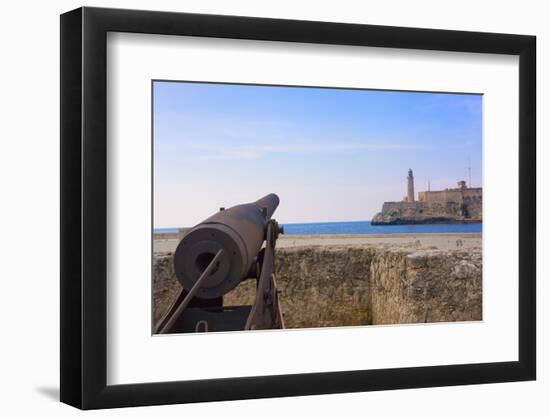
(452, 205)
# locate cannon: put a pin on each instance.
(213, 258)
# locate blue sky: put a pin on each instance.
(330, 154)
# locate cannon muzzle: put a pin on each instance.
(239, 232)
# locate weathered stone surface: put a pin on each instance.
(165, 284)
(324, 286)
(343, 286)
(426, 286)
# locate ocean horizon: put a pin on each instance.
(363, 227)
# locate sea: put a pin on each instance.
(365, 227)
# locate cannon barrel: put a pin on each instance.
(239, 231)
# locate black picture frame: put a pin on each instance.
(84, 207)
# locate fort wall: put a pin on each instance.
(456, 195)
(347, 286)
(402, 205)
(422, 212)
(452, 205)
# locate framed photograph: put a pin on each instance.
(257, 207)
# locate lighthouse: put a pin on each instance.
(410, 187)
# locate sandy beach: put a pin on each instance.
(443, 241)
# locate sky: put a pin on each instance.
(329, 154)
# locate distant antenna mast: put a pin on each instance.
(469, 172)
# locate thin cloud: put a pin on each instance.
(250, 152)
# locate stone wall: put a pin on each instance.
(399, 206)
(165, 284)
(441, 197)
(455, 195)
(426, 286)
(339, 286)
(429, 212)
(453, 205)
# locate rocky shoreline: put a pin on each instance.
(417, 212)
